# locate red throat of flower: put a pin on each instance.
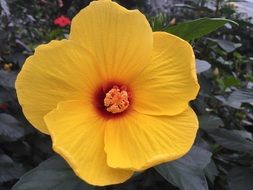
(112, 100)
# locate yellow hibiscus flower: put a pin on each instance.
(114, 96)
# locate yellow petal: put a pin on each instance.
(121, 39)
(169, 82)
(139, 141)
(78, 136)
(57, 71)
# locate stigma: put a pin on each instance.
(117, 99)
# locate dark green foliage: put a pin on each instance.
(195, 29)
(240, 177)
(9, 170)
(187, 172)
(222, 155)
(237, 140)
(202, 66)
(52, 174)
(10, 129)
(237, 97)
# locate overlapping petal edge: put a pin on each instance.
(159, 68)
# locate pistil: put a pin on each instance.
(117, 99)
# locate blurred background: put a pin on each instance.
(222, 158)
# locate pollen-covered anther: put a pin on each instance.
(117, 99)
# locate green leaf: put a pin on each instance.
(209, 122)
(158, 22)
(5, 7)
(187, 172)
(7, 79)
(10, 129)
(52, 174)
(230, 81)
(202, 65)
(237, 140)
(240, 178)
(211, 171)
(228, 46)
(9, 170)
(237, 97)
(197, 28)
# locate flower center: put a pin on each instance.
(117, 99)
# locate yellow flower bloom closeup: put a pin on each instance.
(115, 96)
